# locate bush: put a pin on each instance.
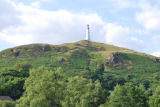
(7, 104)
(128, 95)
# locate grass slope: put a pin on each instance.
(84, 55)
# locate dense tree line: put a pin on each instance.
(45, 87)
(12, 80)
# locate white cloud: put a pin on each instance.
(149, 17)
(35, 25)
(8, 14)
(120, 36)
(157, 53)
(49, 26)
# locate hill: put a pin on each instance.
(44, 51)
(109, 64)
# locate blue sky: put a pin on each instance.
(133, 24)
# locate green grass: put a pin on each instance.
(84, 55)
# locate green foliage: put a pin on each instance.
(44, 88)
(12, 88)
(154, 100)
(82, 92)
(7, 104)
(84, 59)
(12, 80)
(23, 67)
(110, 81)
(79, 58)
(86, 74)
(128, 95)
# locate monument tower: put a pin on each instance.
(87, 33)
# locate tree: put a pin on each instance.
(23, 68)
(12, 88)
(128, 95)
(82, 92)
(109, 81)
(44, 88)
(154, 100)
(11, 83)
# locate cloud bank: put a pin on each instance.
(149, 17)
(28, 24)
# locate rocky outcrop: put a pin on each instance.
(61, 60)
(17, 53)
(32, 50)
(47, 48)
(116, 58)
(156, 60)
(61, 49)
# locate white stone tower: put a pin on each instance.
(87, 33)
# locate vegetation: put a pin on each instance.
(154, 100)
(81, 92)
(7, 104)
(12, 80)
(128, 95)
(44, 88)
(79, 74)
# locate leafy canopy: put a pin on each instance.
(82, 92)
(128, 95)
(44, 88)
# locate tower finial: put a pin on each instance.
(87, 33)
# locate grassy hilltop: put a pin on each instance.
(84, 55)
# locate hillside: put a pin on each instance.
(36, 50)
(44, 51)
(109, 64)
